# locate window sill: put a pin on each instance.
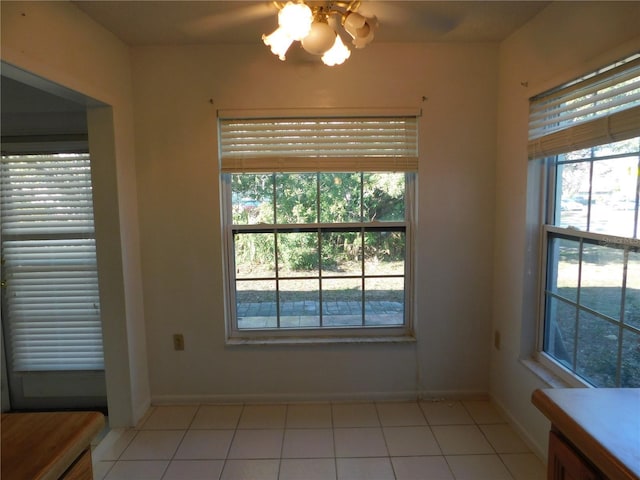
(361, 340)
(549, 376)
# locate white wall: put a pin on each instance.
(565, 41)
(57, 42)
(180, 218)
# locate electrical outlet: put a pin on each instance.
(178, 341)
(496, 339)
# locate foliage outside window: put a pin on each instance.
(591, 314)
(315, 251)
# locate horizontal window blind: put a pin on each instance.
(52, 305)
(600, 108)
(324, 144)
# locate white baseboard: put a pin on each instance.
(537, 449)
(316, 397)
(281, 398)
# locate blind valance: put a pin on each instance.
(600, 108)
(318, 144)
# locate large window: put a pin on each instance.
(318, 225)
(588, 132)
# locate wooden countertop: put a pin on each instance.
(603, 423)
(42, 446)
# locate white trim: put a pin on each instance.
(336, 397)
(323, 337)
(564, 374)
(538, 450)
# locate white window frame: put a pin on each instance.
(566, 130)
(329, 162)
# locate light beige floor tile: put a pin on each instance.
(478, 467)
(308, 469)
(153, 445)
(263, 416)
(421, 468)
(138, 470)
(503, 439)
(410, 441)
(354, 415)
(446, 413)
(308, 443)
(177, 417)
(400, 414)
(250, 470)
(524, 466)
(483, 411)
(256, 444)
(461, 440)
(364, 469)
(217, 416)
(359, 442)
(205, 445)
(194, 470)
(309, 416)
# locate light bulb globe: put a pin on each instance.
(320, 39)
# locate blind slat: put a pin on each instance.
(52, 292)
(601, 108)
(619, 126)
(303, 145)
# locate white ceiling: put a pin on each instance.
(244, 21)
(151, 22)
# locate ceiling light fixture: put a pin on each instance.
(317, 27)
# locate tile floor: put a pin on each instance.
(441, 440)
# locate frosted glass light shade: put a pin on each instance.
(337, 54)
(360, 28)
(295, 19)
(320, 39)
(279, 41)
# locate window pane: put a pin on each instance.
(384, 253)
(630, 372)
(296, 198)
(383, 197)
(340, 198)
(252, 198)
(632, 293)
(572, 195)
(255, 255)
(298, 254)
(384, 301)
(560, 330)
(299, 301)
(341, 253)
(598, 350)
(614, 196)
(601, 280)
(564, 267)
(256, 304)
(342, 302)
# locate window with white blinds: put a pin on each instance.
(318, 144)
(318, 213)
(51, 306)
(588, 133)
(600, 108)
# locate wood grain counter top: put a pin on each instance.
(603, 423)
(42, 446)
